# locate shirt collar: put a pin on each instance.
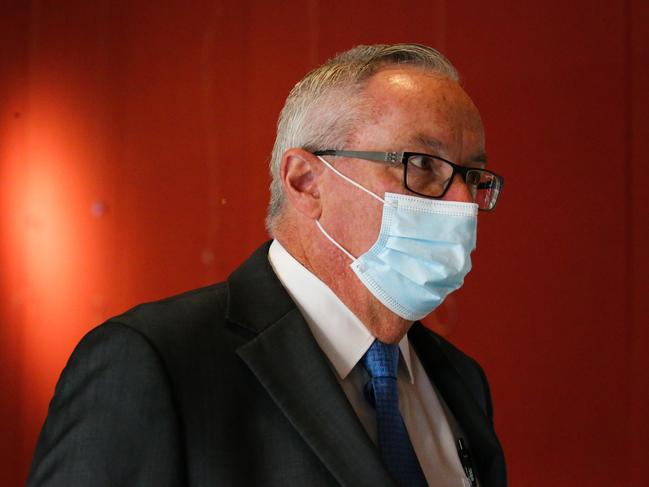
(343, 338)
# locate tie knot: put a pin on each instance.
(382, 359)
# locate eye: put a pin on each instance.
(422, 162)
(473, 178)
(427, 175)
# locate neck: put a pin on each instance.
(329, 264)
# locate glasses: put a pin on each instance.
(431, 176)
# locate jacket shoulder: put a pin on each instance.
(193, 306)
(175, 320)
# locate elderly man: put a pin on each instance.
(307, 367)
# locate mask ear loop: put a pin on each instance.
(350, 181)
(330, 238)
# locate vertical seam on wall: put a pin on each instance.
(628, 217)
(440, 23)
(313, 33)
(34, 23)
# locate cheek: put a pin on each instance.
(352, 216)
(366, 224)
(386, 179)
(353, 219)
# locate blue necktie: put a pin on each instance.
(381, 361)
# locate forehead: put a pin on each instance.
(412, 104)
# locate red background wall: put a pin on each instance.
(133, 148)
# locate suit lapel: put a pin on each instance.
(452, 386)
(286, 359)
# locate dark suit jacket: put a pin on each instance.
(226, 386)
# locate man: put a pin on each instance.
(305, 367)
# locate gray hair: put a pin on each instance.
(322, 109)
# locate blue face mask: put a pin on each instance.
(421, 255)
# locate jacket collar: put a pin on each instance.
(476, 423)
(287, 361)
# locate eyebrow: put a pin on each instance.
(480, 158)
(436, 145)
(429, 142)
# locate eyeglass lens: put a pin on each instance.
(430, 176)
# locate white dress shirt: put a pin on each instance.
(344, 340)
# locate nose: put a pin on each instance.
(458, 191)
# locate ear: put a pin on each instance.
(299, 172)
